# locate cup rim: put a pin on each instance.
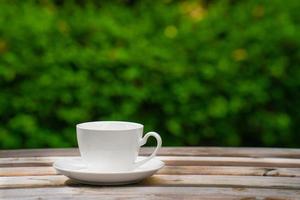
(133, 126)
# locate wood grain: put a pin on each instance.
(170, 151)
(237, 171)
(211, 173)
(165, 180)
(172, 170)
(150, 193)
(171, 160)
(27, 171)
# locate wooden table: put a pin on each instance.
(190, 173)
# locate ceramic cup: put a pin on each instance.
(113, 145)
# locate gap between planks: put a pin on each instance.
(165, 180)
(172, 170)
(171, 161)
(139, 192)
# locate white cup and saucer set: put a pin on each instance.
(109, 154)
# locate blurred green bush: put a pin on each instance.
(199, 73)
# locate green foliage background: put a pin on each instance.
(198, 72)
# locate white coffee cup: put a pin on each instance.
(113, 145)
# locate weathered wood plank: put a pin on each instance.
(231, 161)
(150, 193)
(227, 152)
(170, 151)
(27, 171)
(172, 170)
(172, 161)
(39, 152)
(225, 170)
(165, 180)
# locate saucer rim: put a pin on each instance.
(161, 165)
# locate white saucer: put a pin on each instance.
(76, 169)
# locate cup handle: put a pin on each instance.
(144, 141)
